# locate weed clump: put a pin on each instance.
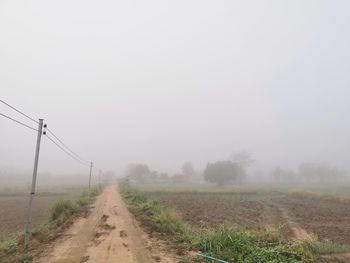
(63, 209)
(167, 220)
(26, 258)
(236, 245)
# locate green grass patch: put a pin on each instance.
(63, 209)
(225, 242)
(330, 248)
(66, 207)
(25, 258)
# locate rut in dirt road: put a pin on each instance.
(108, 234)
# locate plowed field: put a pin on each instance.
(13, 211)
(295, 215)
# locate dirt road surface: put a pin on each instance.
(108, 234)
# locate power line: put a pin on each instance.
(65, 149)
(69, 149)
(18, 111)
(59, 146)
(18, 121)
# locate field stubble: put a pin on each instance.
(295, 215)
(222, 241)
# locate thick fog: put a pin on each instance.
(164, 82)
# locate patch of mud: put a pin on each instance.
(103, 229)
(122, 233)
(104, 218)
(84, 259)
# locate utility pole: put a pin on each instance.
(32, 193)
(99, 178)
(91, 166)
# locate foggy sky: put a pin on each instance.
(164, 82)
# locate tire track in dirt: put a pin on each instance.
(109, 234)
(297, 231)
(276, 216)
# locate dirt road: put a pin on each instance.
(108, 234)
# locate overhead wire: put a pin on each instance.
(68, 148)
(15, 109)
(63, 146)
(59, 146)
(18, 122)
(97, 169)
(70, 153)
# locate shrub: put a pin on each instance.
(223, 172)
(63, 209)
(167, 220)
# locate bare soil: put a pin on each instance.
(108, 234)
(296, 216)
(13, 210)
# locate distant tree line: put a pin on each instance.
(309, 173)
(220, 172)
(235, 171)
(141, 173)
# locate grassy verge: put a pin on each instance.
(225, 242)
(331, 248)
(11, 249)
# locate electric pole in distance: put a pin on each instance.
(32, 192)
(99, 178)
(91, 166)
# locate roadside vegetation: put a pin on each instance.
(62, 213)
(331, 248)
(225, 242)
